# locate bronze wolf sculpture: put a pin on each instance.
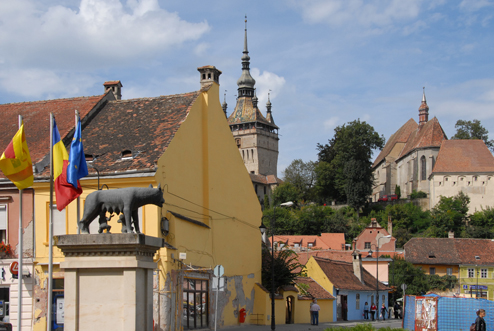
(123, 200)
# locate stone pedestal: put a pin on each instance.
(108, 281)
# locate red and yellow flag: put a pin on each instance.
(15, 162)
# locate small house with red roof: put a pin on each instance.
(470, 260)
(464, 166)
(335, 241)
(350, 283)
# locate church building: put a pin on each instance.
(256, 135)
(409, 156)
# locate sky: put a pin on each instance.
(324, 62)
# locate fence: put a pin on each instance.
(453, 314)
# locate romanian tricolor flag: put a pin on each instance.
(64, 191)
(15, 162)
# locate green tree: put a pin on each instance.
(472, 130)
(302, 176)
(285, 222)
(403, 272)
(286, 267)
(450, 214)
(481, 224)
(398, 191)
(284, 193)
(349, 175)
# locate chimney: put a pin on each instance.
(209, 74)
(390, 226)
(357, 265)
(373, 223)
(451, 234)
(116, 87)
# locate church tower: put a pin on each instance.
(256, 136)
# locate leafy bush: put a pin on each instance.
(418, 195)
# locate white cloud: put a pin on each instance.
(100, 34)
(471, 99)
(331, 123)
(474, 5)
(267, 82)
(370, 13)
(56, 84)
(201, 49)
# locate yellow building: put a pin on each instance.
(211, 214)
(469, 260)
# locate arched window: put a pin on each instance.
(423, 168)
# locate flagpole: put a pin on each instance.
(50, 235)
(20, 257)
(78, 198)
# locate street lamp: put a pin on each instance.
(477, 271)
(377, 272)
(263, 229)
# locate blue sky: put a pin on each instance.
(326, 62)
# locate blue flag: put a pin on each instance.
(77, 167)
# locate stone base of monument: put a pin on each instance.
(108, 281)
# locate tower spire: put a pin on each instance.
(269, 115)
(246, 82)
(423, 110)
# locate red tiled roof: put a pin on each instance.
(36, 117)
(143, 126)
(430, 134)
(341, 275)
(324, 241)
(267, 180)
(315, 290)
(400, 136)
(464, 156)
(453, 251)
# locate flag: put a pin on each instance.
(15, 162)
(77, 161)
(64, 191)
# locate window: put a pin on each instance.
(310, 245)
(471, 273)
(423, 168)
(264, 190)
(59, 222)
(195, 308)
(5, 297)
(3, 223)
(449, 271)
(483, 273)
(432, 271)
(367, 245)
(357, 300)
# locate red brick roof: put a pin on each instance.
(36, 117)
(430, 134)
(315, 290)
(400, 136)
(143, 126)
(341, 275)
(464, 156)
(453, 251)
(324, 241)
(267, 180)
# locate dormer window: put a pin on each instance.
(126, 155)
(432, 255)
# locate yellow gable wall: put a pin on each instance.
(315, 272)
(204, 179)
